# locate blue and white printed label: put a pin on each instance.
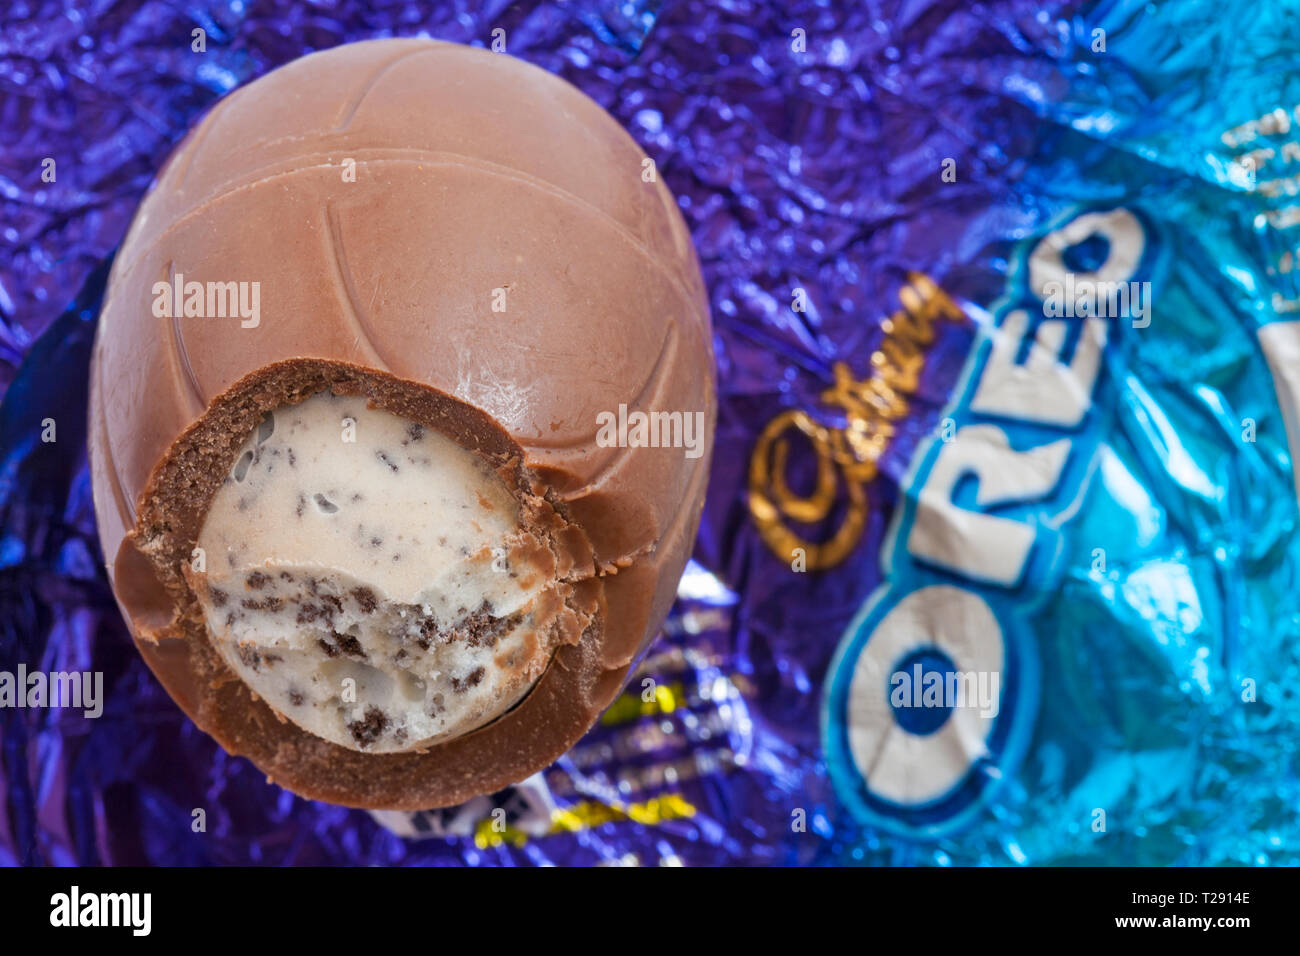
(930, 699)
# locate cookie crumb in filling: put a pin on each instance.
(369, 578)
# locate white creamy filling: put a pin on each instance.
(359, 578)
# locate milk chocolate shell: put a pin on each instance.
(467, 243)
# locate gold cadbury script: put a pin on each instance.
(845, 455)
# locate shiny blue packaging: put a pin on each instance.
(1000, 555)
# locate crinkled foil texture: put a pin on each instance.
(804, 141)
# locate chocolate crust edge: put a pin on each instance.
(168, 628)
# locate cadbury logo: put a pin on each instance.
(846, 456)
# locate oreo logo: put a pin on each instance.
(920, 708)
(930, 699)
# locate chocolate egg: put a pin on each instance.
(401, 415)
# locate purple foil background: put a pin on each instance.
(811, 170)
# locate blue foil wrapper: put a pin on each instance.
(879, 194)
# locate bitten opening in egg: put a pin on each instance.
(369, 579)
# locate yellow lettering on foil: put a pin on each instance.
(589, 814)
